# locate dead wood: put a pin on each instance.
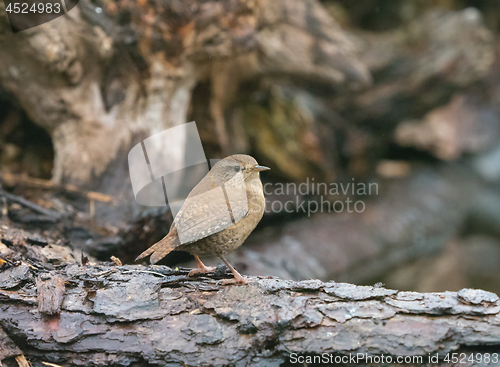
(158, 316)
(112, 76)
(14, 180)
(421, 64)
(37, 208)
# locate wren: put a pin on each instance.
(218, 214)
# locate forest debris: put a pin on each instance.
(31, 266)
(37, 208)
(36, 241)
(7, 242)
(116, 261)
(51, 364)
(4, 250)
(50, 292)
(143, 271)
(7, 347)
(57, 254)
(22, 362)
(14, 276)
(84, 259)
(103, 247)
(13, 180)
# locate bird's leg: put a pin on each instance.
(238, 279)
(202, 268)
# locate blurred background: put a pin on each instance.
(402, 95)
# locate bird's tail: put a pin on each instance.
(159, 250)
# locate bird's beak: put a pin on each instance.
(261, 168)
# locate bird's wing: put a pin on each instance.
(210, 208)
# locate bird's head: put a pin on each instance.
(235, 165)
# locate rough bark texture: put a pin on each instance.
(126, 316)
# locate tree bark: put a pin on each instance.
(133, 315)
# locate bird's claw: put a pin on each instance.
(205, 270)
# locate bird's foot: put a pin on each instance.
(203, 270)
(236, 280)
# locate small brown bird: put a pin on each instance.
(218, 215)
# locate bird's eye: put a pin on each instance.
(237, 168)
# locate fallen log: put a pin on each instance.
(131, 315)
